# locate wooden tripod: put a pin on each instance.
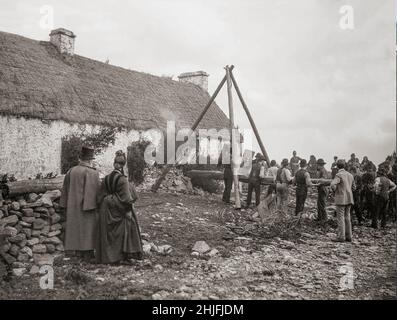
(231, 81)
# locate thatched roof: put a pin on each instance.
(37, 81)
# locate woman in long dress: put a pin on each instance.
(119, 237)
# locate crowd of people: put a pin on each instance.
(101, 225)
(358, 187)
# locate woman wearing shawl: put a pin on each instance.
(119, 237)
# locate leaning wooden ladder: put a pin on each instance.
(231, 82)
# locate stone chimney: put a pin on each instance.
(199, 78)
(64, 40)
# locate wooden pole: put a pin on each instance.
(235, 147)
(167, 167)
(251, 120)
(36, 186)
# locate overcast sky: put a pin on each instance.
(310, 85)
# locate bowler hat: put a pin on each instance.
(87, 153)
(303, 163)
(321, 161)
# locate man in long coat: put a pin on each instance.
(79, 198)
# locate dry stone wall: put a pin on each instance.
(31, 231)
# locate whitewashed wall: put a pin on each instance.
(31, 146)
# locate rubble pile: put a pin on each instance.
(174, 181)
(31, 229)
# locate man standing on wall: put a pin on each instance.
(79, 198)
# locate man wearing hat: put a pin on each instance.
(383, 187)
(322, 191)
(254, 182)
(283, 179)
(302, 181)
(79, 198)
(342, 185)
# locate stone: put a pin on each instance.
(54, 233)
(288, 244)
(37, 203)
(22, 203)
(56, 227)
(213, 252)
(291, 260)
(18, 238)
(34, 270)
(9, 231)
(47, 202)
(16, 213)
(27, 251)
(9, 258)
(36, 233)
(42, 210)
(39, 248)
(53, 240)
(18, 264)
(33, 197)
(15, 206)
(146, 248)
(28, 212)
(24, 224)
(38, 224)
(32, 242)
(23, 257)
(158, 268)
(165, 249)
(60, 247)
(18, 272)
(5, 247)
(29, 220)
(55, 218)
(201, 247)
(50, 248)
(1, 214)
(9, 221)
(52, 194)
(22, 243)
(43, 259)
(45, 230)
(51, 211)
(14, 250)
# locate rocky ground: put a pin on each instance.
(240, 259)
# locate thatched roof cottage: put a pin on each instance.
(47, 92)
